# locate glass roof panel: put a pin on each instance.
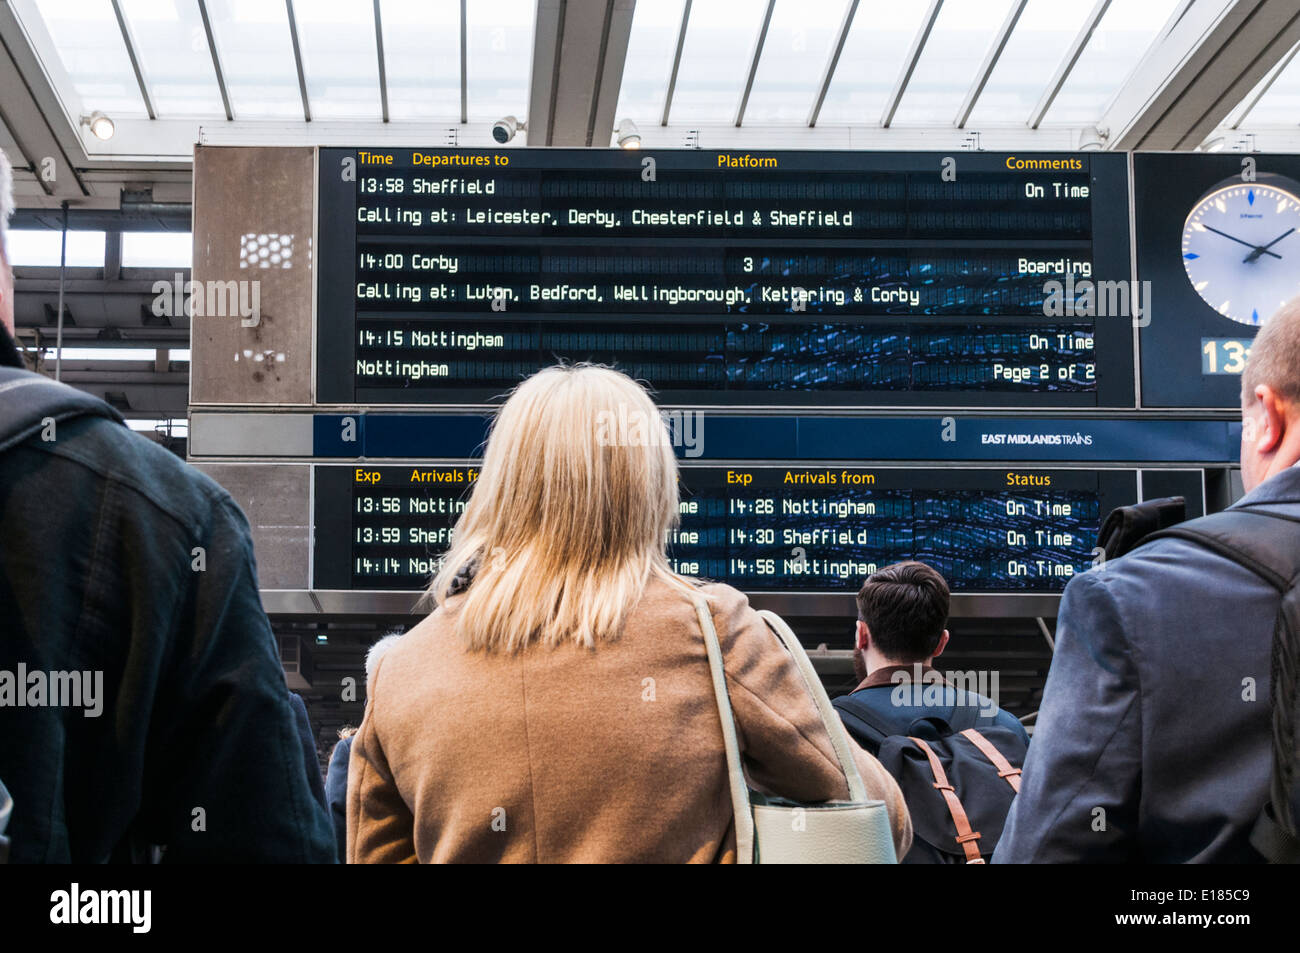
(422, 58)
(949, 60)
(339, 58)
(157, 249)
(88, 41)
(41, 247)
(1118, 44)
(173, 51)
(873, 55)
(256, 58)
(798, 45)
(1038, 43)
(649, 61)
(715, 59)
(499, 41)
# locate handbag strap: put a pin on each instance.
(730, 743)
(830, 717)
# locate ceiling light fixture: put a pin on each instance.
(100, 126)
(629, 137)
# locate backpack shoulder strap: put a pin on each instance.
(863, 713)
(1263, 539)
(28, 401)
(1256, 538)
(989, 750)
(965, 836)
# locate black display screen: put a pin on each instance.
(770, 528)
(782, 279)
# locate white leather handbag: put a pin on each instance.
(774, 831)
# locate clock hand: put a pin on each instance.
(1262, 249)
(1239, 241)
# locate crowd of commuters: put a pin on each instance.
(556, 704)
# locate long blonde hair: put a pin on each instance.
(569, 516)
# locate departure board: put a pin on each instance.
(773, 279)
(774, 528)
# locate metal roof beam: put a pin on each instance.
(828, 73)
(216, 58)
(990, 61)
(1203, 68)
(1264, 87)
(297, 60)
(909, 64)
(135, 60)
(464, 63)
(677, 62)
(29, 100)
(753, 61)
(1079, 44)
(579, 49)
(379, 53)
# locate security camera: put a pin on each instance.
(503, 130)
(629, 137)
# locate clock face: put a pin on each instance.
(1241, 249)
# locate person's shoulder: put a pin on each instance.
(673, 598)
(1005, 719)
(723, 599)
(1158, 569)
(106, 451)
(873, 697)
(341, 751)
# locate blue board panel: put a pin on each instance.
(731, 437)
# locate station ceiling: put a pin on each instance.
(1022, 74)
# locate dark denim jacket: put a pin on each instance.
(117, 558)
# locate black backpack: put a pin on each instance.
(1267, 543)
(958, 781)
(28, 404)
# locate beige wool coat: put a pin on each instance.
(612, 754)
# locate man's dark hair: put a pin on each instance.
(905, 606)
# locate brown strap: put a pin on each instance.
(1005, 770)
(965, 836)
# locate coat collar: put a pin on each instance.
(885, 675)
(1281, 487)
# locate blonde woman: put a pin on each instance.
(556, 706)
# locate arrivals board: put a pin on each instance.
(772, 528)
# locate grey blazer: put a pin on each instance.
(1153, 739)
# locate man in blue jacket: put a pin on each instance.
(902, 611)
(1153, 740)
(143, 708)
